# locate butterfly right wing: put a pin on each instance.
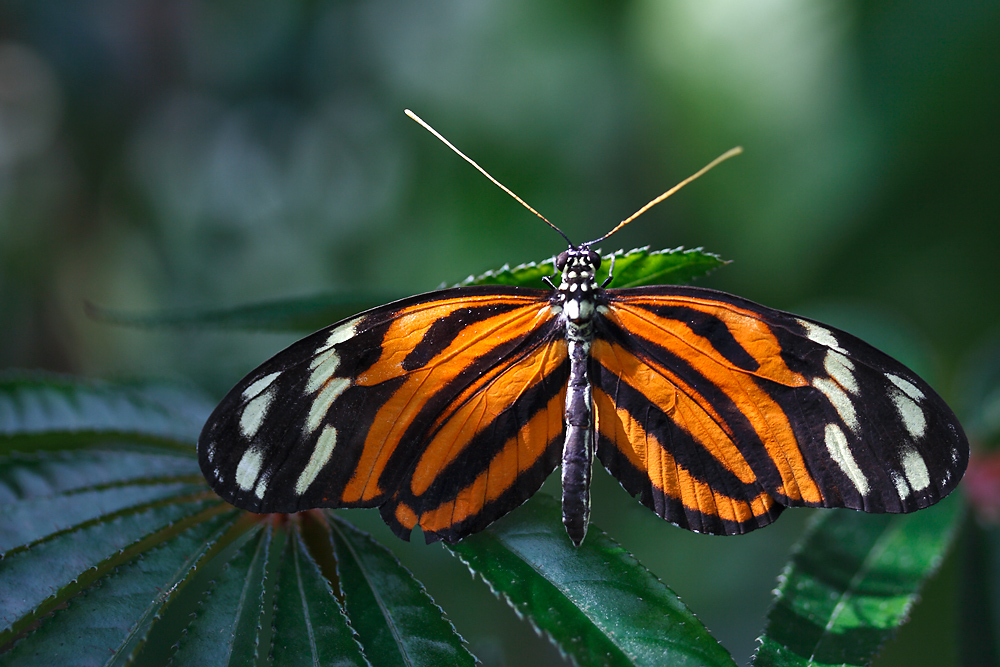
(718, 412)
(442, 409)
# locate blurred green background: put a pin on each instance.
(158, 155)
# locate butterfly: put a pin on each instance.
(447, 410)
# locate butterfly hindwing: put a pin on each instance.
(444, 410)
(717, 412)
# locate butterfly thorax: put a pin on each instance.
(578, 291)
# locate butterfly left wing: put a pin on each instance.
(718, 413)
(444, 410)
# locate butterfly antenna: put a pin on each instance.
(484, 172)
(732, 152)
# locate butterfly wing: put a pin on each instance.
(444, 410)
(718, 413)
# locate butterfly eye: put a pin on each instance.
(561, 260)
(595, 259)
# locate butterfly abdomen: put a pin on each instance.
(578, 297)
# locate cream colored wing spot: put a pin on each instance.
(841, 369)
(840, 400)
(323, 367)
(317, 460)
(342, 333)
(261, 487)
(911, 414)
(260, 385)
(915, 469)
(321, 404)
(818, 334)
(248, 468)
(840, 451)
(907, 387)
(255, 411)
(902, 487)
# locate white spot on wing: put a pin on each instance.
(908, 387)
(254, 412)
(344, 332)
(323, 367)
(248, 468)
(321, 404)
(261, 487)
(840, 400)
(260, 385)
(210, 452)
(915, 469)
(320, 456)
(818, 334)
(902, 488)
(841, 369)
(840, 451)
(911, 414)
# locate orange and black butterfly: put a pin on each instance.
(447, 410)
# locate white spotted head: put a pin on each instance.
(576, 293)
(578, 266)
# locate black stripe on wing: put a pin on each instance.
(293, 433)
(870, 433)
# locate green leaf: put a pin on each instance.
(107, 620)
(597, 603)
(50, 572)
(310, 627)
(396, 620)
(183, 603)
(662, 267)
(119, 553)
(38, 407)
(32, 475)
(30, 520)
(292, 314)
(851, 582)
(632, 269)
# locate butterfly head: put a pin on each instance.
(576, 291)
(578, 265)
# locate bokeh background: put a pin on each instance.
(170, 155)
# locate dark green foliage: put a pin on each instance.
(116, 552)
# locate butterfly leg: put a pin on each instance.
(578, 449)
(611, 273)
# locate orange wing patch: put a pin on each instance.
(645, 452)
(483, 401)
(696, 414)
(517, 456)
(407, 331)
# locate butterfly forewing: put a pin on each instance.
(443, 409)
(717, 412)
